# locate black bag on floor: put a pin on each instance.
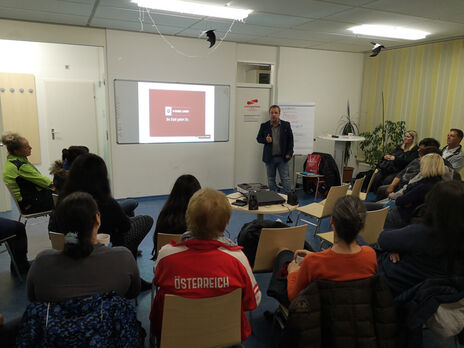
(248, 237)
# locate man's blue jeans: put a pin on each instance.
(278, 163)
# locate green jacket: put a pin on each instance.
(15, 167)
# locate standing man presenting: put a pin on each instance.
(452, 152)
(277, 137)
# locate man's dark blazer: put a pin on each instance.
(286, 140)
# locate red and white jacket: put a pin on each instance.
(203, 268)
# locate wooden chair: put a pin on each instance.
(15, 265)
(272, 240)
(57, 240)
(21, 214)
(161, 241)
(322, 209)
(166, 238)
(356, 190)
(202, 322)
(375, 220)
(363, 195)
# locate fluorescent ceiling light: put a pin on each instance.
(389, 31)
(195, 8)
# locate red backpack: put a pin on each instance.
(312, 163)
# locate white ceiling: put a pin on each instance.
(318, 24)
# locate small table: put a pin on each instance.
(339, 148)
(310, 175)
(263, 209)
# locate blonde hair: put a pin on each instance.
(431, 165)
(208, 213)
(412, 133)
(13, 142)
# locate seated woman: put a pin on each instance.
(171, 219)
(60, 172)
(84, 267)
(18, 244)
(60, 169)
(392, 163)
(89, 174)
(182, 267)
(431, 249)
(345, 260)
(432, 170)
(32, 190)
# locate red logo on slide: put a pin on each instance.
(251, 102)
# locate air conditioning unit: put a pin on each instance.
(258, 76)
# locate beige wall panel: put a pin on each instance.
(19, 110)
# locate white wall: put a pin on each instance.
(327, 78)
(49, 61)
(151, 169)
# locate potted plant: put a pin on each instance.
(347, 126)
(382, 140)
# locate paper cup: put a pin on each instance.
(103, 238)
(299, 258)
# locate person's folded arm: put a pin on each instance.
(28, 172)
(400, 240)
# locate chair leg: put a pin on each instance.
(15, 265)
(297, 218)
(318, 226)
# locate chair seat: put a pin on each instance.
(313, 209)
(328, 236)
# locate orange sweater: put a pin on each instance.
(329, 265)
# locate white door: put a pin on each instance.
(71, 115)
(251, 110)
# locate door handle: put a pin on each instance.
(54, 132)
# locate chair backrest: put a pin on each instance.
(202, 322)
(372, 180)
(14, 198)
(166, 238)
(358, 183)
(271, 240)
(375, 221)
(334, 194)
(21, 213)
(57, 240)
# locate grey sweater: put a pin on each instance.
(55, 277)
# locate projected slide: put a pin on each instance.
(172, 113)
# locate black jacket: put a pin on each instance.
(419, 303)
(328, 168)
(286, 140)
(357, 313)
